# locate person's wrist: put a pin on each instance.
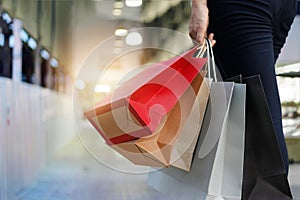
(200, 8)
(199, 3)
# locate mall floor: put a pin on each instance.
(73, 174)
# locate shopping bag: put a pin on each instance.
(264, 172)
(218, 161)
(137, 107)
(185, 144)
(227, 171)
(146, 150)
(174, 142)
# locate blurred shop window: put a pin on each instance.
(27, 64)
(5, 49)
(61, 82)
(44, 72)
(45, 68)
(50, 75)
(54, 79)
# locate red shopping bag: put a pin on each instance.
(137, 107)
(156, 149)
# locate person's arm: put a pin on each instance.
(199, 22)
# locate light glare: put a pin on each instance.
(117, 50)
(133, 3)
(32, 43)
(45, 54)
(6, 18)
(134, 38)
(54, 62)
(24, 35)
(80, 84)
(102, 88)
(121, 32)
(296, 134)
(118, 4)
(117, 12)
(11, 41)
(2, 39)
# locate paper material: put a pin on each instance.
(183, 152)
(264, 170)
(229, 159)
(144, 100)
(161, 144)
(195, 184)
(205, 174)
(220, 97)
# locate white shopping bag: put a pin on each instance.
(217, 167)
(227, 172)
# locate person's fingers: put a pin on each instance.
(213, 42)
(200, 37)
(211, 38)
(197, 34)
(193, 34)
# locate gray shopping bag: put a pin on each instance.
(218, 160)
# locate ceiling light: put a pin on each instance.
(121, 32)
(32, 43)
(118, 4)
(133, 3)
(11, 41)
(24, 35)
(117, 50)
(134, 38)
(53, 62)
(102, 88)
(6, 18)
(80, 84)
(45, 54)
(2, 40)
(117, 12)
(118, 43)
(296, 134)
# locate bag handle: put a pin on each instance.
(206, 47)
(211, 61)
(201, 50)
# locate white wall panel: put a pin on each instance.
(34, 124)
(3, 173)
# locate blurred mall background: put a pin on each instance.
(44, 45)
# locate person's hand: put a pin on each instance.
(199, 23)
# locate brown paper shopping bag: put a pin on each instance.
(163, 143)
(137, 107)
(155, 150)
(183, 152)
